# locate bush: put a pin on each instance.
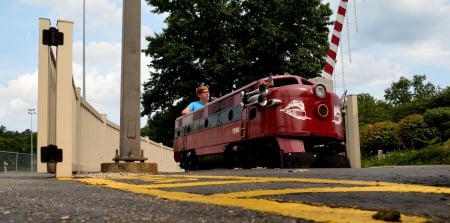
(439, 118)
(438, 154)
(415, 133)
(379, 136)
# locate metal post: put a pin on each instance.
(17, 160)
(130, 114)
(84, 50)
(31, 111)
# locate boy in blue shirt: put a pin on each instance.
(203, 95)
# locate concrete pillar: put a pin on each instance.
(130, 97)
(130, 129)
(352, 131)
(64, 101)
(43, 95)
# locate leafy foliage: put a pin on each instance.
(16, 142)
(442, 99)
(406, 100)
(371, 110)
(226, 44)
(399, 92)
(439, 118)
(438, 154)
(410, 96)
(414, 132)
(405, 90)
(162, 125)
(379, 136)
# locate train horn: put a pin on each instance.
(262, 89)
(262, 100)
(273, 102)
(257, 96)
(257, 99)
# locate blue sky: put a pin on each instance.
(382, 40)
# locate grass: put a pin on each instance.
(437, 154)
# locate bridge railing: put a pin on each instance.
(65, 119)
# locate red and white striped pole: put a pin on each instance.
(335, 38)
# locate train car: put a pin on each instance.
(281, 121)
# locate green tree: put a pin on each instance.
(229, 43)
(410, 96)
(2, 130)
(423, 92)
(442, 99)
(415, 132)
(371, 110)
(399, 92)
(160, 125)
(440, 119)
(15, 141)
(405, 91)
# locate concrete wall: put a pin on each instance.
(65, 119)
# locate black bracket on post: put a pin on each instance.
(51, 154)
(52, 37)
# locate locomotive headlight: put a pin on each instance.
(320, 91)
(321, 110)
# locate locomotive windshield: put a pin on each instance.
(284, 81)
(290, 81)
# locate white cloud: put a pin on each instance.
(393, 39)
(365, 74)
(18, 96)
(388, 39)
(101, 15)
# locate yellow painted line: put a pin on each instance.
(395, 189)
(375, 185)
(290, 209)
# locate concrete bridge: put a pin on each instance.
(86, 137)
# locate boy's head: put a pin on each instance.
(202, 89)
(203, 93)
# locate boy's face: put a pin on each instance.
(204, 95)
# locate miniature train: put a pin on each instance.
(282, 121)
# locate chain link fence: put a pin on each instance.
(18, 162)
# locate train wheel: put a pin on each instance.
(183, 164)
(246, 160)
(229, 158)
(189, 161)
(275, 159)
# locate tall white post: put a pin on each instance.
(352, 131)
(31, 111)
(130, 109)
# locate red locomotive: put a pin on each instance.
(276, 122)
(282, 121)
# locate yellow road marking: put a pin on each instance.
(247, 199)
(376, 185)
(244, 200)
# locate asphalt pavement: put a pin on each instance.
(419, 194)
(42, 198)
